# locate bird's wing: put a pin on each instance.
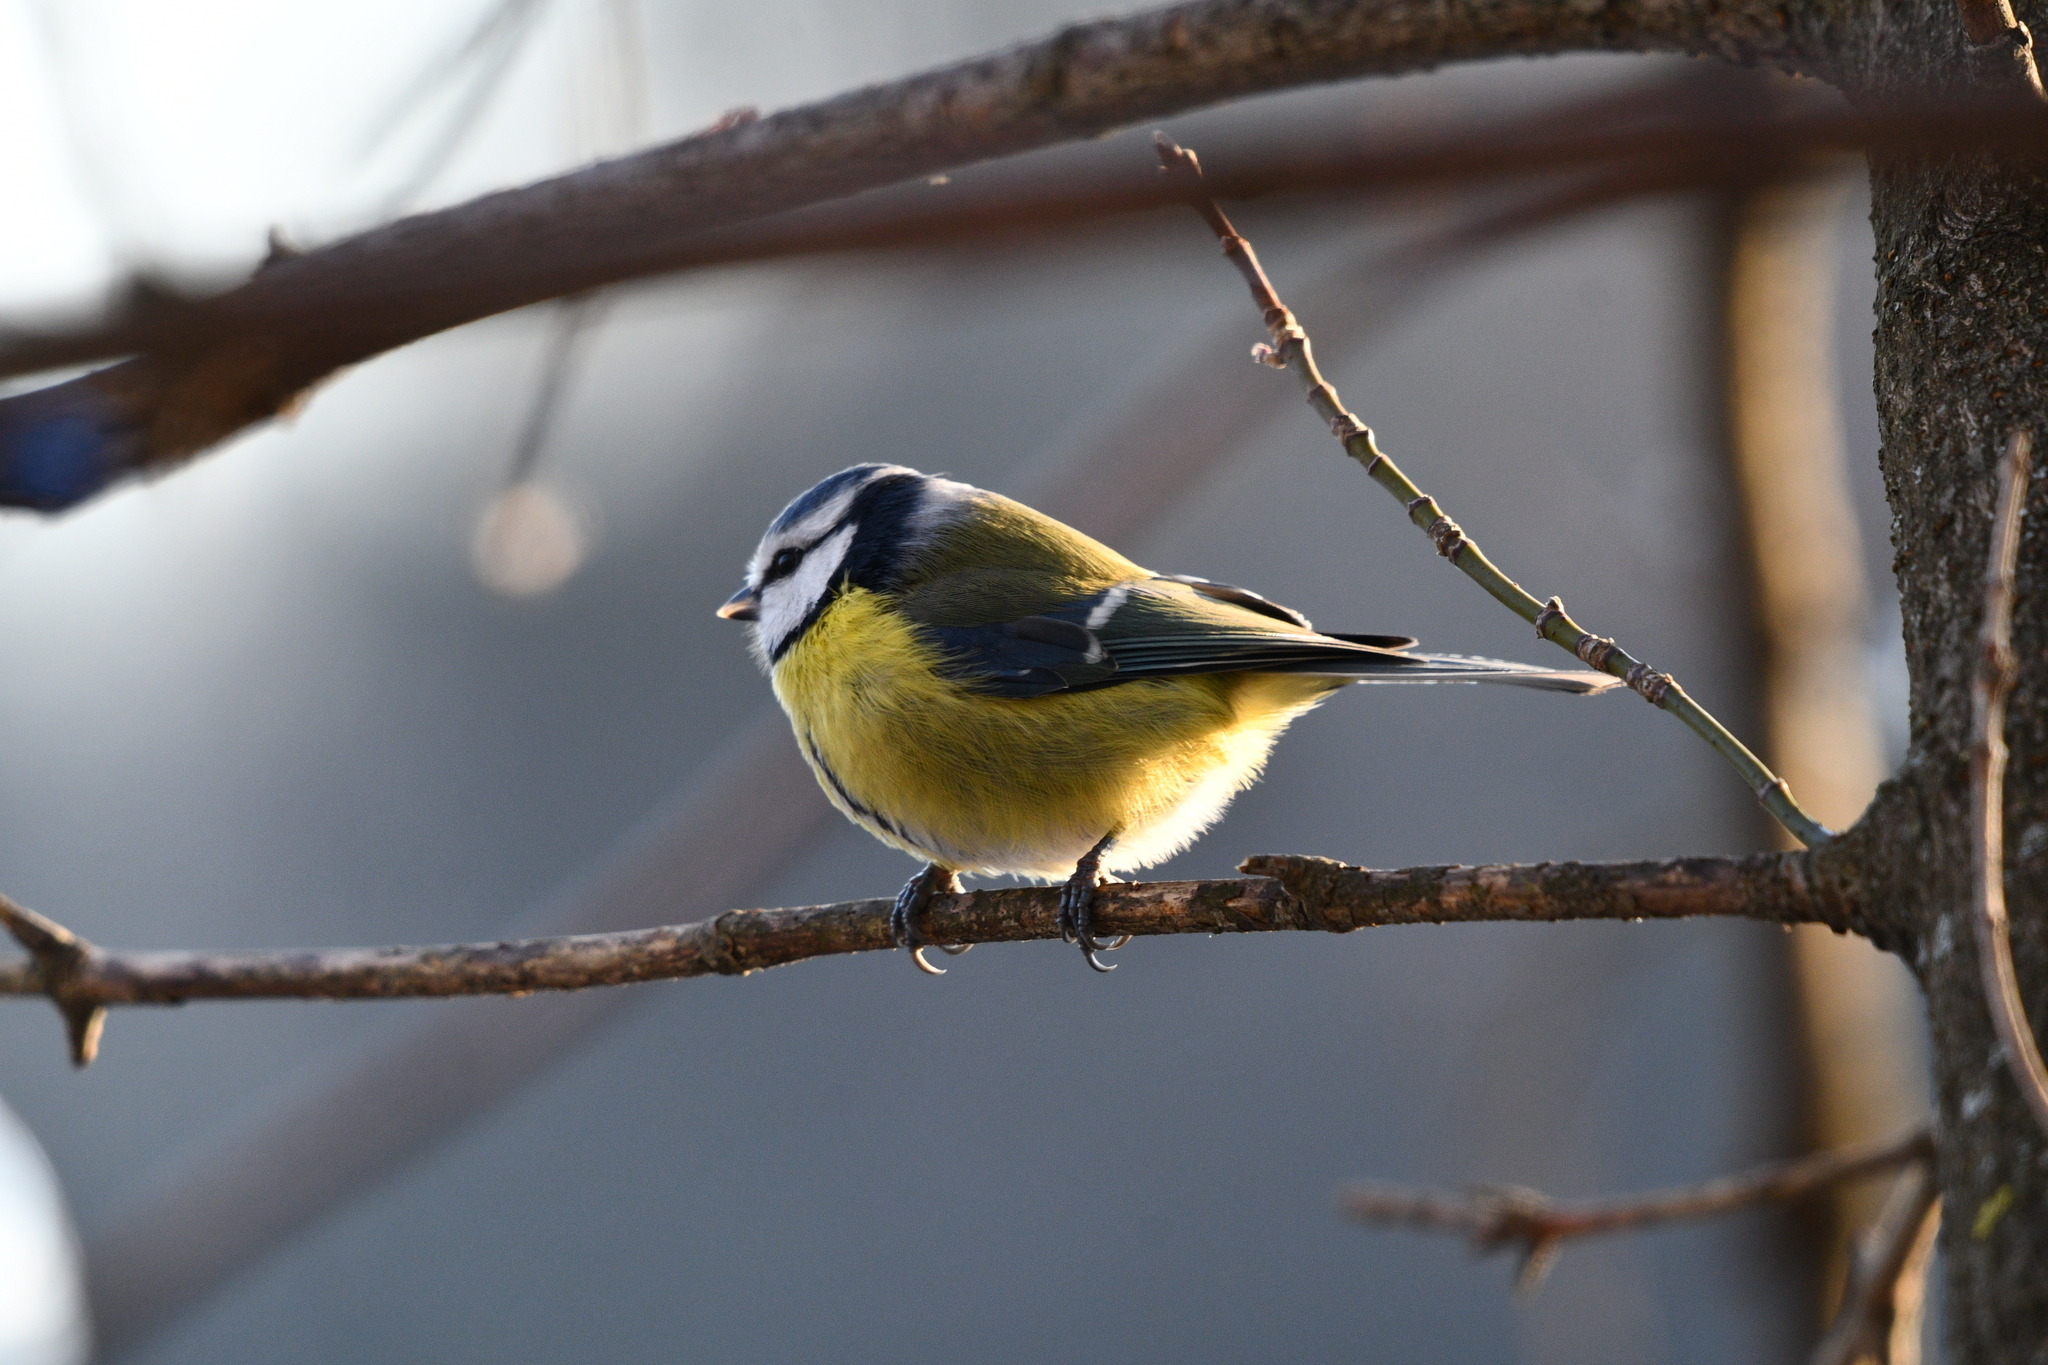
(1169, 627)
(1028, 657)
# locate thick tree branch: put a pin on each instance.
(632, 216)
(1494, 1217)
(1701, 128)
(223, 353)
(1285, 893)
(1997, 670)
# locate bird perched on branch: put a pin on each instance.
(994, 692)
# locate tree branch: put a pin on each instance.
(1997, 670)
(2005, 47)
(1500, 1216)
(1866, 1323)
(1285, 893)
(1290, 350)
(632, 216)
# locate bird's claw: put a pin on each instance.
(910, 905)
(1077, 899)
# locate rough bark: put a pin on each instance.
(1962, 358)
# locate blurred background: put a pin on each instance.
(435, 660)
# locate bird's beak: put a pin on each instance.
(744, 605)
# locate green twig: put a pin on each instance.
(1290, 350)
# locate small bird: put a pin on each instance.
(994, 692)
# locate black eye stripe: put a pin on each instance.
(789, 558)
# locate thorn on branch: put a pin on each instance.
(62, 958)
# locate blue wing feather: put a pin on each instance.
(1178, 627)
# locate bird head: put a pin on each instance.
(862, 526)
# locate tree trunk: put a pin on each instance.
(1962, 359)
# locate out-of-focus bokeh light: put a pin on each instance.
(528, 540)
(42, 1310)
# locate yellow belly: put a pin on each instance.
(1020, 785)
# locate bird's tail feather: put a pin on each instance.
(1456, 668)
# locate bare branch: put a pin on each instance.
(1694, 129)
(205, 367)
(59, 961)
(1286, 893)
(1290, 350)
(1501, 1216)
(632, 216)
(1885, 1257)
(1997, 669)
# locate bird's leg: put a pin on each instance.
(916, 894)
(1076, 898)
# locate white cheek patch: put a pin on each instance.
(788, 602)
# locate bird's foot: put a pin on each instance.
(910, 904)
(1077, 899)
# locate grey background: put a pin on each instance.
(262, 702)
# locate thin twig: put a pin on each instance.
(573, 319)
(1290, 350)
(1285, 893)
(1884, 1254)
(488, 54)
(1499, 1216)
(1997, 670)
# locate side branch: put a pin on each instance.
(1290, 350)
(1495, 1217)
(1997, 670)
(1285, 893)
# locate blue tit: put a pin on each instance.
(994, 692)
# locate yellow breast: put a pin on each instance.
(1020, 785)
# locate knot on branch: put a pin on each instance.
(62, 959)
(717, 949)
(1447, 536)
(1594, 651)
(1286, 335)
(1552, 613)
(1649, 684)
